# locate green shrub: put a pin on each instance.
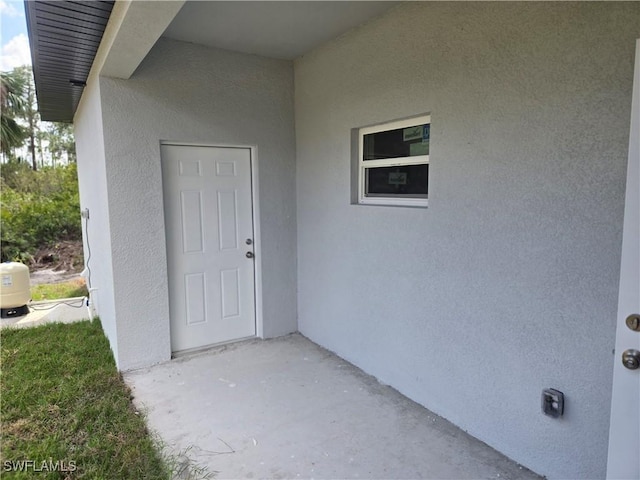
(38, 209)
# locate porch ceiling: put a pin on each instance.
(276, 29)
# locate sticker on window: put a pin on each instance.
(397, 178)
(412, 133)
(421, 148)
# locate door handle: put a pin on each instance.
(250, 255)
(631, 359)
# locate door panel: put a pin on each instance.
(624, 431)
(208, 218)
(191, 211)
(228, 220)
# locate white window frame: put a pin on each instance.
(389, 162)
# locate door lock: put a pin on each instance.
(248, 241)
(249, 255)
(631, 359)
(633, 322)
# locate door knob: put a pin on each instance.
(250, 255)
(633, 322)
(631, 359)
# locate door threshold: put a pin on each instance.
(213, 347)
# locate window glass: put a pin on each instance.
(404, 180)
(402, 142)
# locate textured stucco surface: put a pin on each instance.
(507, 283)
(94, 195)
(188, 93)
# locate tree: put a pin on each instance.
(12, 102)
(29, 113)
(61, 142)
(22, 125)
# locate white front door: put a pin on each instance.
(209, 229)
(624, 433)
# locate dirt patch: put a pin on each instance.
(56, 263)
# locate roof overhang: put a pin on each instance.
(64, 37)
(133, 30)
(75, 41)
(71, 40)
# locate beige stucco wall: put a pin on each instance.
(188, 93)
(94, 196)
(507, 283)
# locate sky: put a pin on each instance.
(13, 35)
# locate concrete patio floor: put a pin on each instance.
(287, 408)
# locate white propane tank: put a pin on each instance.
(15, 289)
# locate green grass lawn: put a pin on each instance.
(64, 401)
(53, 291)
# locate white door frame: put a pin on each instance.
(255, 221)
